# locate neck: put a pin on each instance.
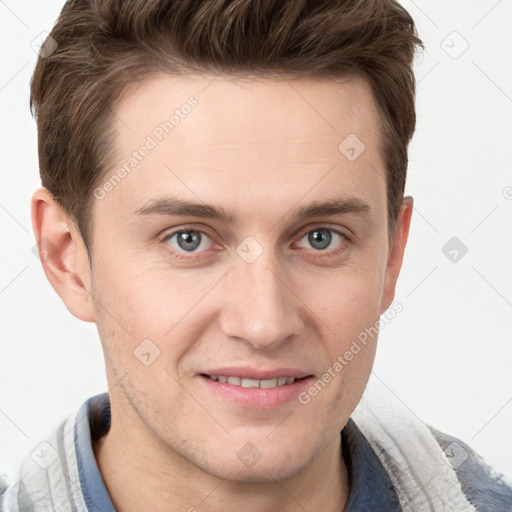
(148, 476)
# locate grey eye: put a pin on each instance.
(320, 239)
(188, 241)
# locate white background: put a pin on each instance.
(448, 355)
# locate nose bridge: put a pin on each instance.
(260, 309)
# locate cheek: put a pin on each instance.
(147, 300)
(349, 305)
(137, 302)
(349, 302)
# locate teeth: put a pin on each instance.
(268, 383)
(250, 383)
(253, 383)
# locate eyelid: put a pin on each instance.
(169, 232)
(320, 225)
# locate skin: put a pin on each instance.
(256, 148)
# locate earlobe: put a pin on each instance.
(63, 254)
(396, 253)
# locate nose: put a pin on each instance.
(261, 307)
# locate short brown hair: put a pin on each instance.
(105, 45)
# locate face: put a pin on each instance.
(242, 243)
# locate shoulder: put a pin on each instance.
(61, 472)
(485, 489)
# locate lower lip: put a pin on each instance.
(257, 398)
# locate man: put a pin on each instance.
(236, 248)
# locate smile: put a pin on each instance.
(253, 383)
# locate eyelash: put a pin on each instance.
(331, 253)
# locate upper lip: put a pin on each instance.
(248, 372)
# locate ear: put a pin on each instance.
(396, 254)
(63, 254)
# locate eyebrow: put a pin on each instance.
(169, 206)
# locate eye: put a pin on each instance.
(322, 238)
(188, 240)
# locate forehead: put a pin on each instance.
(244, 141)
(248, 111)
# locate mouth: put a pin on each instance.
(254, 383)
(255, 389)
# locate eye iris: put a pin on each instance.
(189, 240)
(321, 237)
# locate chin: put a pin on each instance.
(248, 464)
(261, 472)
